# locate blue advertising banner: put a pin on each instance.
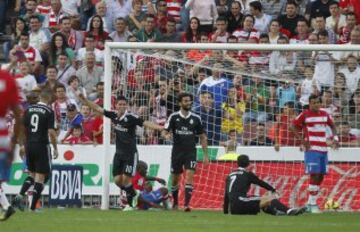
(66, 185)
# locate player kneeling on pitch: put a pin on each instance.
(236, 199)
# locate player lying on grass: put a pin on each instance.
(153, 199)
(239, 202)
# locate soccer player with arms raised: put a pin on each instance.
(39, 123)
(314, 123)
(185, 127)
(126, 156)
(9, 101)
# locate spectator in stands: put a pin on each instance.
(220, 35)
(51, 79)
(306, 88)
(136, 17)
(101, 10)
(52, 19)
(346, 138)
(90, 74)
(274, 31)
(73, 88)
(90, 46)
(262, 20)
(159, 111)
(192, 33)
(274, 8)
(327, 103)
(234, 17)
(174, 89)
(354, 113)
(231, 143)
(354, 39)
(247, 32)
(210, 117)
(65, 68)
(285, 93)
(217, 85)
(317, 7)
(341, 93)
(281, 61)
(324, 73)
(174, 8)
(74, 38)
(73, 119)
(233, 110)
(205, 11)
(97, 30)
(171, 36)
(59, 106)
(351, 6)
(256, 95)
(336, 20)
(149, 33)
(77, 137)
(302, 29)
(30, 7)
(44, 7)
(261, 138)
(39, 38)
(24, 52)
(121, 32)
(88, 121)
(345, 31)
(161, 15)
(320, 25)
(26, 82)
(283, 135)
(97, 130)
(118, 8)
(70, 7)
(18, 28)
(59, 45)
(352, 73)
(305, 57)
(289, 20)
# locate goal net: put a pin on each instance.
(247, 96)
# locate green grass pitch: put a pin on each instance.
(88, 220)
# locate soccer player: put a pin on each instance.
(126, 156)
(39, 123)
(10, 101)
(141, 177)
(314, 123)
(237, 200)
(185, 127)
(153, 199)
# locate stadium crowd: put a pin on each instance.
(243, 97)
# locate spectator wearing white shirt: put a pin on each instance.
(336, 20)
(26, 82)
(118, 8)
(262, 21)
(274, 31)
(121, 33)
(302, 28)
(220, 35)
(89, 47)
(352, 73)
(320, 25)
(70, 7)
(101, 10)
(282, 61)
(306, 88)
(39, 37)
(205, 11)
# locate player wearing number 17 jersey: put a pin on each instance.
(314, 123)
(185, 127)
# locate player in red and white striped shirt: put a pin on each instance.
(313, 123)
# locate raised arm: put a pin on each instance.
(92, 105)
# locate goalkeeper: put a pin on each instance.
(236, 199)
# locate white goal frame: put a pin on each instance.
(110, 46)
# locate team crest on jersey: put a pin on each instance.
(191, 121)
(125, 119)
(177, 119)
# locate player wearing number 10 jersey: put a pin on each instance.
(39, 123)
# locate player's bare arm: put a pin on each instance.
(204, 145)
(53, 140)
(152, 125)
(92, 105)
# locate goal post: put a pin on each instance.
(155, 52)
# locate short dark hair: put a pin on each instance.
(60, 86)
(64, 18)
(303, 20)
(333, 3)
(323, 33)
(25, 33)
(222, 18)
(232, 37)
(313, 96)
(243, 161)
(72, 78)
(121, 98)
(183, 95)
(261, 124)
(34, 17)
(207, 92)
(77, 126)
(51, 67)
(256, 5)
(263, 36)
(99, 83)
(171, 20)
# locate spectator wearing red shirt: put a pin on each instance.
(351, 6)
(88, 121)
(345, 31)
(77, 137)
(192, 33)
(346, 139)
(162, 15)
(97, 129)
(97, 30)
(247, 32)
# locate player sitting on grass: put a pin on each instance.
(239, 202)
(153, 199)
